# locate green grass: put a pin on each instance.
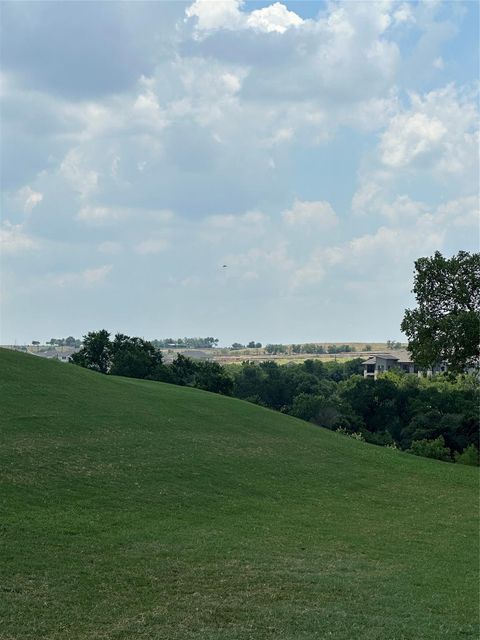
(139, 510)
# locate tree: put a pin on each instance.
(95, 353)
(445, 325)
(183, 370)
(210, 376)
(135, 358)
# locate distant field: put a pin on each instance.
(230, 356)
(282, 358)
(140, 510)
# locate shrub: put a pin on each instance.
(356, 435)
(431, 449)
(469, 456)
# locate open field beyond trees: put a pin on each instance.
(136, 509)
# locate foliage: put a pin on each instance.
(431, 449)
(210, 376)
(391, 344)
(70, 341)
(135, 358)
(469, 456)
(95, 352)
(274, 349)
(186, 343)
(445, 324)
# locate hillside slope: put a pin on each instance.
(135, 509)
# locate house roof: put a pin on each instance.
(402, 357)
(405, 356)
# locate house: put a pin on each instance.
(62, 354)
(399, 360)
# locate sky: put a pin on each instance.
(315, 148)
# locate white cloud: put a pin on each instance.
(80, 178)
(312, 214)
(409, 136)
(92, 276)
(404, 14)
(28, 198)
(212, 15)
(373, 199)
(147, 111)
(394, 248)
(99, 216)
(440, 130)
(218, 14)
(461, 212)
(14, 240)
(276, 17)
(230, 222)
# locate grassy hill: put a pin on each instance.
(139, 510)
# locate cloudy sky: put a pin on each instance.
(317, 149)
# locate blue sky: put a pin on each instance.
(315, 148)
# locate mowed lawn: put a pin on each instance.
(140, 510)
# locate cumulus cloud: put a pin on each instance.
(100, 216)
(311, 214)
(81, 178)
(393, 247)
(440, 130)
(13, 239)
(276, 17)
(227, 14)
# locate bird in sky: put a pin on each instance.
(224, 265)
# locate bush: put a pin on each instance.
(469, 456)
(431, 449)
(356, 435)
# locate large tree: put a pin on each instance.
(96, 352)
(445, 325)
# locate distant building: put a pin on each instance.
(195, 354)
(62, 354)
(400, 360)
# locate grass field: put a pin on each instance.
(139, 510)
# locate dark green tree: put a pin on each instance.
(135, 358)
(183, 370)
(96, 352)
(445, 324)
(210, 376)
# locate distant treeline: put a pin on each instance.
(186, 343)
(434, 417)
(70, 341)
(310, 348)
